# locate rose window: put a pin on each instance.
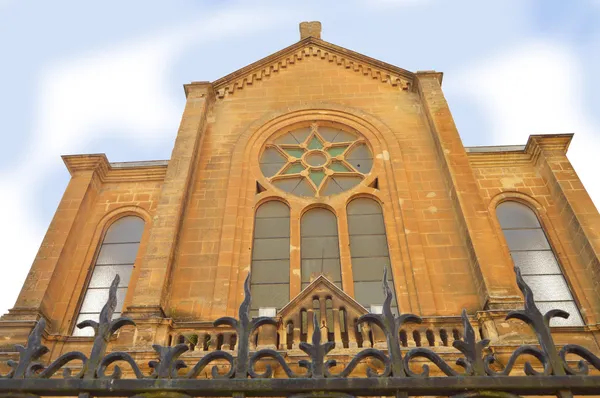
(316, 161)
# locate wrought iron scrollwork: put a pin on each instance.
(394, 376)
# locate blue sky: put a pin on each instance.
(83, 77)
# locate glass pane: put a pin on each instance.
(286, 139)
(287, 184)
(272, 227)
(118, 253)
(344, 136)
(359, 152)
(370, 269)
(270, 295)
(271, 249)
(126, 229)
(273, 208)
(340, 167)
(317, 176)
(328, 133)
(314, 143)
(368, 245)
(301, 134)
(548, 287)
(272, 155)
(270, 169)
(371, 293)
(294, 168)
(320, 247)
(295, 152)
(347, 182)
(89, 332)
(569, 306)
(337, 150)
(304, 188)
(536, 262)
(96, 298)
(104, 275)
(330, 268)
(316, 159)
(526, 239)
(364, 206)
(516, 215)
(366, 224)
(319, 222)
(271, 271)
(361, 165)
(331, 188)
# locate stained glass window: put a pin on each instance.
(316, 161)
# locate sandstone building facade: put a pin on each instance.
(316, 168)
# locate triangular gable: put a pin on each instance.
(313, 47)
(320, 285)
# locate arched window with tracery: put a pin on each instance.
(319, 247)
(532, 254)
(270, 280)
(116, 256)
(369, 252)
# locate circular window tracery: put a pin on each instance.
(316, 161)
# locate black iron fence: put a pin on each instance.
(388, 372)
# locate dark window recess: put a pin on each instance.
(270, 284)
(319, 248)
(369, 251)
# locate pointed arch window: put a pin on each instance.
(319, 247)
(531, 252)
(369, 252)
(116, 256)
(270, 280)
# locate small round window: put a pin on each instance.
(316, 161)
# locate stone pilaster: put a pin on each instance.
(151, 291)
(39, 292)
(488, 260)
(577, 213)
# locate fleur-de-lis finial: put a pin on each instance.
(244, 328)
(540, 325)
(29, 354)
(316, 351)
(472, 349)
(391, 324)
(104, 330)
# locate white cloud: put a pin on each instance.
(535, 88)
(123, 88)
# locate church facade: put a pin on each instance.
(311, 172)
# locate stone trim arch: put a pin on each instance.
(558, 247)
(241, 194)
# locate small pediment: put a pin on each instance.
(313, 47)
(323, 288)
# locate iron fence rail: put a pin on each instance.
(395, 375)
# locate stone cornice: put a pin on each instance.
(199, 90)
(535, 145)
(119, 172)
(313, 47)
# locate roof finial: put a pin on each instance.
(310, 29)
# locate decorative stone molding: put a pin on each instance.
(108, 172)
(313, 47)
(518, 156)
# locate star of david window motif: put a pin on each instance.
(316, 161)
